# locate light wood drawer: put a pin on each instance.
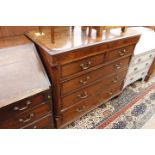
(86, 79)
(118, 53)
(26, 117)
(140, 66)
(82, 65)
(98, 98)
(142, 58)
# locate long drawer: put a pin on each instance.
(24, 105)
(26, 117)
(86, 79)
(82, 107)
(87, 63)
(82, 65)
(86, 92)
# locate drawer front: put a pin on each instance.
(44, 123)
(115, 54)
(86, 79)
(140, 66)
(87, 92)
(24, 105)
(79, 109)
(137, 60)
(132, 78)
(82, 65)
(26, 117)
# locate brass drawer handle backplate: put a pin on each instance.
(85, 66)
(83, 82)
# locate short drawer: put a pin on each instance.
(86, 79)
(134, 77)
(139, 67)
(89, 91)
(82, 65)
(121, 52)
(24, 105)
(142, 58)
(81, 108)
(43, 123)
(26, 117)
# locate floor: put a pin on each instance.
(150, 124)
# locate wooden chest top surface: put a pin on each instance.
(69, 40)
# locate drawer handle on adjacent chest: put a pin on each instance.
(28, 119)
(83, 82)
(147, 64)
(135, 69)
(83, 96)
(131, 79)
(139, 60)
(80, 109)
(23, 108)
(85, 66)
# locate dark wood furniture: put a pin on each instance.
(25, 97)
(84, 71)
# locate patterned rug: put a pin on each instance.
(130, 110)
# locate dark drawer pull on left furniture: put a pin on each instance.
(28, 119)
(23, 108)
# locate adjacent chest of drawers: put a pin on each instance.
(25, 91)
(139, 67)
(34, 112)
(85, 77)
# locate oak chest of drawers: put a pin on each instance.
(25, 97)
(83, 76)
